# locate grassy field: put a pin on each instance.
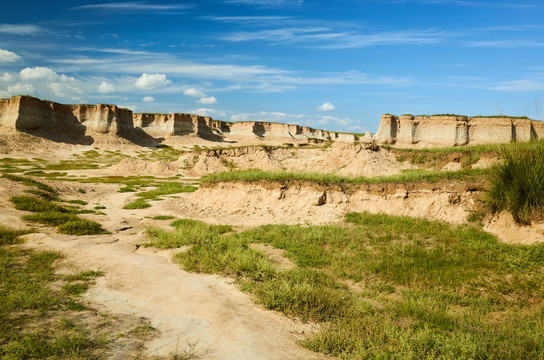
(43, 203)
(405, 176)
(38, 309)
(385, 287)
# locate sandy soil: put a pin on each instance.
(211, 311)
(205, 311)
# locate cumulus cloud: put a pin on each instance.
(106, 88)
(148, 99)
(152, 81)
(7, 77)
(20, 89)
(315, 121)
(8, 56)
(194, 93)
(208, 100)
(38, 73)
(209, 112)
(326, 107)
(43, 82)
(67, 90)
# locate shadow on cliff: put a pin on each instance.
(73, 135)
(139, 137)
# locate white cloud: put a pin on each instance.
(21, 89)
(44, 82)
(207, 100)
(194, 93)
(7, 77)
(106, 88)
(8, 56)
(209, 112)
(326, 107)
(315, 121)
(134, 6)
(13, 29)
(152, 81)
(148, 99)
(38, 73)
(519, 85)
(66, 90)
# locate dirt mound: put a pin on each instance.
(340, 158)
(253, 204)
(505, 228)
(132, 166)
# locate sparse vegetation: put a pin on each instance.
(163, 217)
(386, 286)
(406, 176)
(167, 188)
(36, 320)
(49, 213)
(137, 204)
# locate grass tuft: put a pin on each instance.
(81, 227)
(137, 204)
(518, 181)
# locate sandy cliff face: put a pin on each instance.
(28, 114)
(446, 130)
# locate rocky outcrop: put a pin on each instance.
(28, 114)
(454, 130)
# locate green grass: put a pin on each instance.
(33, 204)
(37, 321)
(385, 287)
(167, 189)
(518, 181)
(163, 217)
(81, 227)
(30, 182)
(137, 204)
(161, 153)
(10, 236)
(406, 176)
(187, 232)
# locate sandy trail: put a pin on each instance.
(187, 308)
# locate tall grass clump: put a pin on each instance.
(518, 181)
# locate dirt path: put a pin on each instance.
(186, 308)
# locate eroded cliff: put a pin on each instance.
(454, 130)
(50, 119)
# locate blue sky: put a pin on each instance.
(335, 65)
